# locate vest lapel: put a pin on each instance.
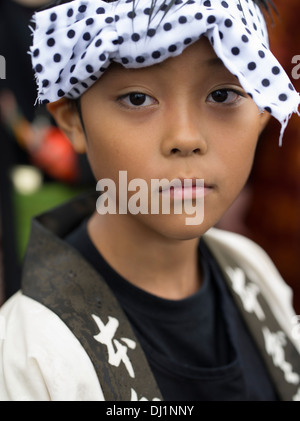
(73, 290)
(280, 355)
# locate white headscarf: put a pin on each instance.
(74, 43)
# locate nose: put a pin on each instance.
(184, 133)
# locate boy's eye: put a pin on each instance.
(224, 96)
(136, 99)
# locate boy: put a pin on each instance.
(142, 305)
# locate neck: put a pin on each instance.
(164, 267)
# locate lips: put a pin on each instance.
(185, 188)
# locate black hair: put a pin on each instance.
(267, 4)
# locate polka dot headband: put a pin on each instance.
(74, 43)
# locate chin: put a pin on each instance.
(186, 234)
(175, 228)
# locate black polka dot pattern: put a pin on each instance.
(74, 43)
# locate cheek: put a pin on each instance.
(112, 151)
(105, 148)
(236, 150)
(242, 136)
(115, 145)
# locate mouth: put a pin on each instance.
(185, 188)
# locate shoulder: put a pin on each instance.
(231, 240)
(249, 256)
(244, 251)
(40, 359)
(252, 259)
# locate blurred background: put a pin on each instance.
(39, 168)
(38, 165)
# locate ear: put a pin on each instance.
(264, 119)
(66, 116)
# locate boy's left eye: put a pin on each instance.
(224, 96)
(136, 99)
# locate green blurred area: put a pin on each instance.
(27, 206)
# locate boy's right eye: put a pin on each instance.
(136, 100)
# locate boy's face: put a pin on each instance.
(187, 117)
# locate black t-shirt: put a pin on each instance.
(198, 348)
